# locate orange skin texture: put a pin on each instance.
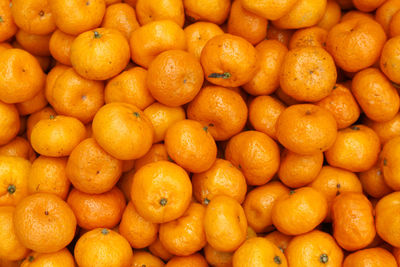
(161, 191)
(27, 15)
(285, 98)
(258, 251)
(48, 175)
(10, 247)
(75, 17)
(185, 235)
(343, 106)
(119, 128)
(304, 13)
(60, 46)
(385, 130)
(280, 240)
(191, 145)
(198, 34)
(139, 232)
(245, 24)
(37, 45)
(34, 118)
(390, 163)
(355, 149)
(373, 182)
(18, 147)
(313, 36)
(258, 205)
(21, 76)
(370, 257)
(174, 77)
(368, 5)
(331, 16)
(220, 109)
(394, 25)
(308, 73)
(62, 258)
(10, 122)
(385, 12)
(299, 211)
(390, 59)
(271, 54)
(215, 11)
(217, 258)
(270, 9)
(231, 56)
(194, 260)
(103, 247)
(122, 17)
(150, 40)
(57, 136)
(161, 117)
(7, 27)
(157, 249)
(129, 87)
(75, 96)
(255, 154)
(355, 14)
(221, 179)
(377, 97)
(386, 224)
(298, 170)
(102, 44)
(32, 105)
(311, 248)
(281, 35)
(51, 78)
(153, 10)
(225, 224)
(97, 210)
(141, 258)
(353, 221)
(156, 153)
(44, 222)
(306, 129)
(356, 44)
(396, 254)
(264, 112)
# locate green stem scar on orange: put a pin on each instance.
(225, 75)
(11, 189)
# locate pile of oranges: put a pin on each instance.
(192, 133)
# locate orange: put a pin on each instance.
(129, 87)
(139, 232)
(355, 149)
(152, 10)
(18, 147)
(258, 251)
(37, 45)
(194, 260)
(48, 175)
(331, 16)
(10, 122)
(8, 27)
(221, 179)
(285, 98)
(353, 221)
(355, 44)
(341, 103)
(191, 145)
(154, 38)
(97, 210)
(32, 105)
(355, 14)
(217, 258)
(385, 221)
(385, 130)
(289, 219)
(34, 16)
(280, 240)
(103, 247)
(156, 153)
(21, 76)
(367, 5)
(5, 46)
(161, 117)
(377, 97)
(298, 170)
(57, 136)
(51, 78)
(108, 46)
(157, 249)
(373, 182)
(270, 9)
(315, 248)
(312, 36)
(143, 258)
(389, 163)
(308, 73)
(255, 154)
(175, 69)
(281, 35)
(396, 254)
(306, 129)
(259, 203)
(220, 109)
(198, 34)
(122, 17)
(161, 191)
(385, 12)
(75, 96)
(60, 258)
(44, 222)
(229, 60)
(35, 117)
(215, 11)
(60, 46)
(74, 17)
(370, 257)
(123, 131)
(225, 224)
(271, 54)
(390, 59)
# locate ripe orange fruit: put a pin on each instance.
(122, 17)
(371, 256)
(280, 240)
(385, 221)
(288, 219)
(389, 59)
(104, 247)
(52, 78)
(312, 36)
(157, 249)
(194, 260)
(271, 9)
(10, 122)
(60, 46)
(229, 60)
(8, 27)
(156, 153)
(389, 163)
(60, 258)
(32, 105)
(281, 35)
(18, 147)
(148, 11)
(368, 5)
(35, 117)
(37, 45)
(385, 12)
(215, 11)
(373, 182)
(331, 16)
(161, 191)
(44, 222)
(217, 258)
(394, 25)
(385, 130)
(143, 258)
